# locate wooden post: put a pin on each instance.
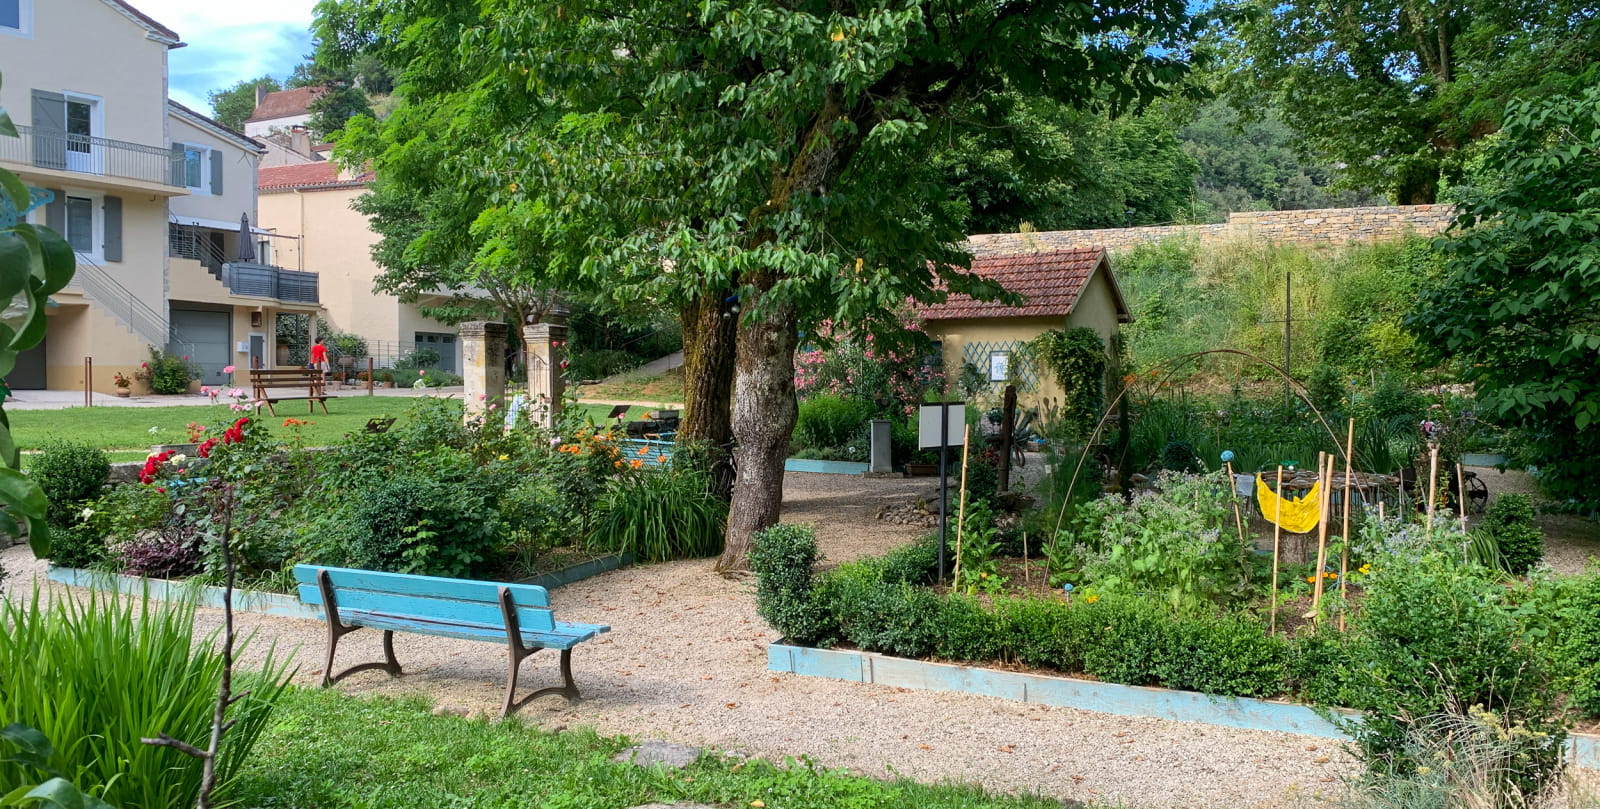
(1433, 479)
(88, 381)
(1325, 473)
(1277, 533)
(1008, 420)
(961, 511)
(1027, 575)
(1461, 496)
(1344, 550)
(369, 376)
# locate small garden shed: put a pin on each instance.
(1061, 289)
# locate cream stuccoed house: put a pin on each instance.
(150, 194)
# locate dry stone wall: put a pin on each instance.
(1318, 227)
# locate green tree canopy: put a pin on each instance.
(775, 148)
(1393, 91)
(1518, 308)
(233, 105)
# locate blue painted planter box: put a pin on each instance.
(1088, 695)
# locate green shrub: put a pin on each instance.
(661, 514)
(94, 677)
(1130, 639)
(967, 631)
(782, 557)
(1325, 389)
(1229, 656)
(1047, 634)
(1319, 668)
(168, 373)
(1508, 521)
(1572, 609)
(600, 363)
(828, 421)
(916, 563)
(78, 545)
(70, 474)
(1437, 639)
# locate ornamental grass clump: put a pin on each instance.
(661, 514)
(96, 677)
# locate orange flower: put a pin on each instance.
(636, 463)
(644, 451)
(617, 464)
(661, 459)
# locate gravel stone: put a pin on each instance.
(686, 662)
(649, 754)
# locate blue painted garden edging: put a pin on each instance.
(659, 453)
(1088, 695)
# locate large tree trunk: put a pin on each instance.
(764, 412)
(708, 353)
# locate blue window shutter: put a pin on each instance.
(49, 130)
(216, 171)
(113, 245)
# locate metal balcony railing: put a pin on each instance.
(97, 156)
(264, 281)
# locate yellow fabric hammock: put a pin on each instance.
(1299, 516)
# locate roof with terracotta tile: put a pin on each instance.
(1050, 284)
(285, 104)
(306, 176)
(161, 32)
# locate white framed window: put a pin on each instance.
(16, 18)
(197, 169)
(84, 124)
(85, 223)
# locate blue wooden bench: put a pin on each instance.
(518, 614)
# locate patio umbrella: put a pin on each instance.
(247, 242)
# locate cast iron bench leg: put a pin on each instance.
(519, 653)
(337, 630)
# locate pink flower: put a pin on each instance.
(227, 369)
(186, 356)
(237, 393)
(421, 372)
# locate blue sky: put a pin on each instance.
(230, 40)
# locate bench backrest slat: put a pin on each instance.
(475, 602)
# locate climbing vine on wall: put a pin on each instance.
(1077, 360)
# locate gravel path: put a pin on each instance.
(686, 662)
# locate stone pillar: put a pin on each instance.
(483, 365)
(881, 449)
(546, 356)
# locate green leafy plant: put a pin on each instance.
(72, 476)
(979, 562)
(35, 263)
(167, 372)
(661, 514)
(1508, 523)
(1077, 359)
(827, 421)
(34, 752)
(98, 675)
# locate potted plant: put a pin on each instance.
(123, 384)
(923, 463)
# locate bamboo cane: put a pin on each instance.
(961, 511)
(1325, 473)
(1027, 575)
(1233, 497)
(1344, 550)
(1433, 480)
(1461, 496)
(1277, 533)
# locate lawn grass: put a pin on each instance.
(132, 430)
(651, 389)
(323, 749)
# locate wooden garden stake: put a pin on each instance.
(1277, 532)
(1026, 573)
(1233, 491)
(1344, 550)
(1433, 480)
(961, 511)
(1461, 496)
(1325, 472)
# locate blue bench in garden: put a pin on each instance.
(517, 614)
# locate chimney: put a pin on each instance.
(300, 140)
(261, 95)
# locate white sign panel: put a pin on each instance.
(999, 366)
(928, 421)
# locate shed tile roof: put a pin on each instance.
(285, 104)
(321, 174)
(1050, 284)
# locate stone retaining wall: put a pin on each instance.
(1319, 227)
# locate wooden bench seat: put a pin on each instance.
(263, 379)
(518, 615)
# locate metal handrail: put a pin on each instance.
(89, 155)
(144, 321)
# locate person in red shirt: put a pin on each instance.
(319, 359)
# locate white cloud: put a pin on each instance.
(229, 41)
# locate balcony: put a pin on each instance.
(81, 156)
(263, 281)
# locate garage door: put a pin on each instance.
(29, 373)
(206, 338)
